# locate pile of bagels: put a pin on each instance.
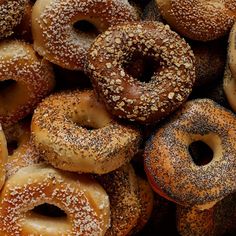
(117, 117)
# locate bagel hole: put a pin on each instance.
(141, 67)
(6, 84)
(12, 146)
(49, 210)
(85, 125)
(201, 153)
(86, 27)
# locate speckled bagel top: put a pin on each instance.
(122, 188)
(199, 19)
(59, 131)
(215, 221)
(33, 76)
(191, 221)
(11, 13)
(124, 95)
(54, 36)
(38, 184)
(169, 164)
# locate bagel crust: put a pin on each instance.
(60, 130)
(55, 37)
(32, 78)
(199, 19)
(84, 201)
(170, 167)
(122, 187)
(11, 13)
(127, 97)
(25, 154)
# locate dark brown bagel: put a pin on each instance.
(125, 96)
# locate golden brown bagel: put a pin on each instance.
(170, 166)
(84, 201)
(31, 78)
(198, 19)
(64, 138)
(56, 39)
(11, 13)
(24, 154)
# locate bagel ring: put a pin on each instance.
(55, 37)
(65, 138)
(30, 79)
(197, 19)
(84, 201)
(167, 157)
(127, 97)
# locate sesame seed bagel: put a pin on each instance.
(55, 37)
(122, 188)
(30, 79)
(3, 157)
(197, 19)
(124, 95)
(24, 154)
(11, 13)
(212, 222)
(59, 132)
(230, 70)
(170, 167)
(83, 200)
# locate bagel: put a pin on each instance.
(127, 97)
(83, 200)
(168, 159)
(26, 79)
(197, 19)
(83, 138)
(56, 39)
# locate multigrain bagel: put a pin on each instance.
(126, 96)
(83, 200)
(198, 19)
(3, 157)
(56, 39)
(64, 137)
(170, 167)
(27, 77)
(11, 13)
